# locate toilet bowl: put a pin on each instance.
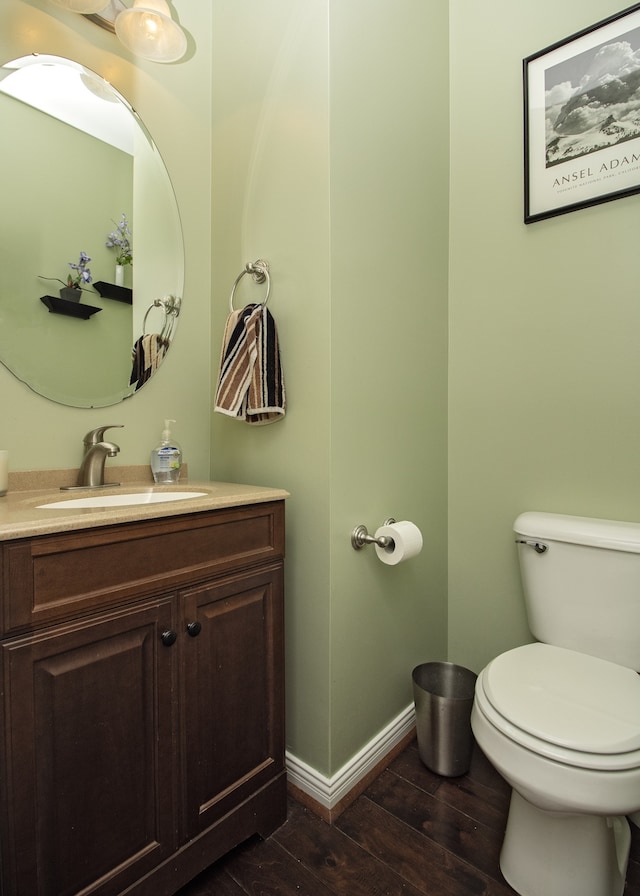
(563, 729)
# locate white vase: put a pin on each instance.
(119, 275)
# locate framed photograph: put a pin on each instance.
(582, 119)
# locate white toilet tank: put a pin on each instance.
(582, 583)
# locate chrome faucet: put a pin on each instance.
(96, 451)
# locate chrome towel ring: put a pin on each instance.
(259, 270)
(171, 309)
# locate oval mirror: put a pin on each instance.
(79, 168)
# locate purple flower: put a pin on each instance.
(83, 274)
(120, 239)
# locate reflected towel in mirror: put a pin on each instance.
(146, 356)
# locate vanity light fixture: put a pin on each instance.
(146, 28)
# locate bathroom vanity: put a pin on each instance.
(142, 689)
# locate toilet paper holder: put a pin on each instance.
(360, 537)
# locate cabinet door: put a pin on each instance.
(233, 679)
(88, 790)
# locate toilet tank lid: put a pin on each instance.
(611, 534)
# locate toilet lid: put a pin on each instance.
(566, 698)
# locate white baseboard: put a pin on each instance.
(328, 792)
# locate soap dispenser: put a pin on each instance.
(166, 458)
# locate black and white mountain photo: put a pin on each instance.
(592, 101)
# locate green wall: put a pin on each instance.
(271, 200)
(330, 160)
(544, 323)
(389, 211)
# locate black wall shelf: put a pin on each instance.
(71, 309)
(111, 291)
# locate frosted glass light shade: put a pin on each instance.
(82, 6)
(148, 30)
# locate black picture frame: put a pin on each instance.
(581, 120)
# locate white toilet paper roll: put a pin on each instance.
(407, 542)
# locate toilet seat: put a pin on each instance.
(570, 707)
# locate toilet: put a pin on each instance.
(559, 719)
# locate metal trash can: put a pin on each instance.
(443, 697)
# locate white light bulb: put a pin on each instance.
(148, 30)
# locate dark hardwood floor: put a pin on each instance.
(411, 832)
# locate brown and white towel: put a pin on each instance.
(251, 382)
(146, 356)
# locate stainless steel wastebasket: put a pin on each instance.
(443, 697)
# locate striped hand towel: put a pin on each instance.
(251, 382)
(146, 356)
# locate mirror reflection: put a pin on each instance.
(83, 189)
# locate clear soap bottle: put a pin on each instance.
(166, 457)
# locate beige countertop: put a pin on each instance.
(22, 517)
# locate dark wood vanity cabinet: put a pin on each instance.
(143, 729)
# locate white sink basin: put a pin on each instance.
(121, 500)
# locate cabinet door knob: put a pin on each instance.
(194, 628)
(169, 637)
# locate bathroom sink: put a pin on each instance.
(126, 499)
